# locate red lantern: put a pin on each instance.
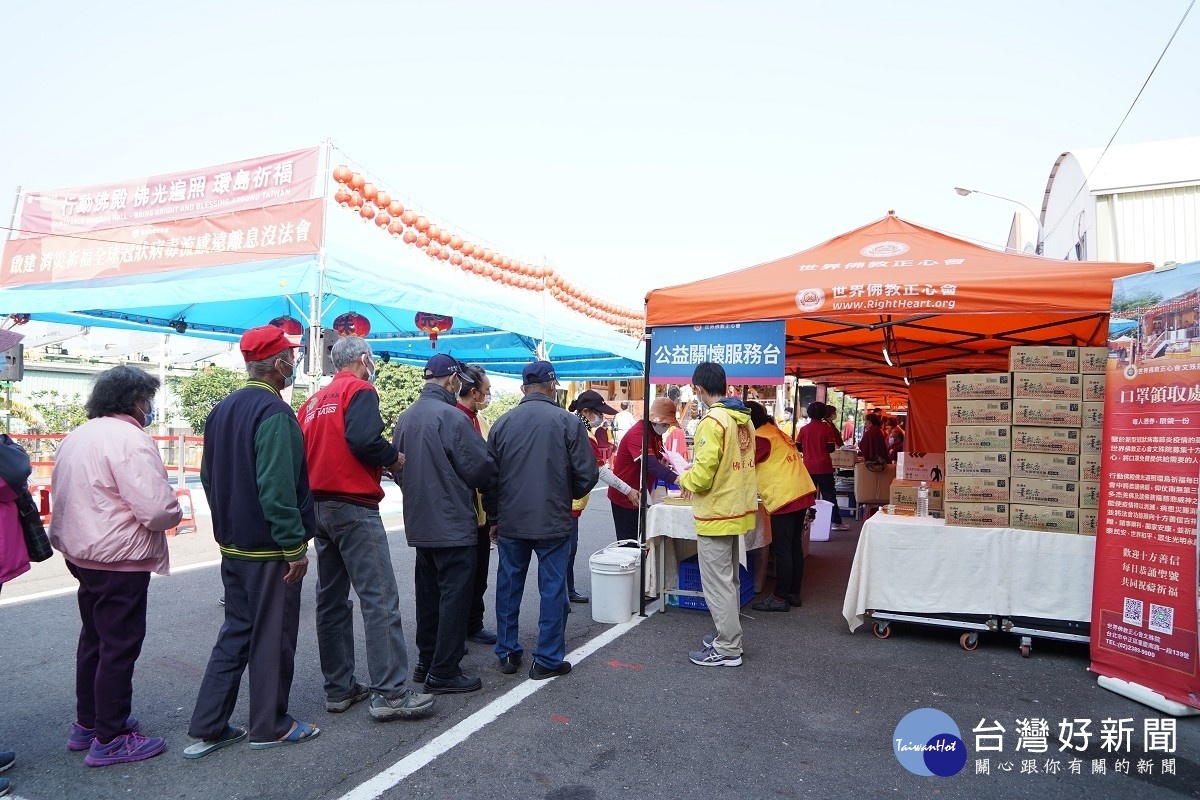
(396, 208)
(369, 191)
(443, 253)
(356, 200)
(408, 217)
(468, 249)
(396, 227)
(422, 224)
(382, 199)
(357, 181)
(456, 242)
(382, 219)
(342, 197)
(422, 241)
(432, 324)
(410, 236)
(444, 237)
(456, 259)
(434, 231)
(19, 319)
(342, 173)
(289, 325)
(367, 212)
(352, 324)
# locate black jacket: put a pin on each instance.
(445, 461)
(543, 461)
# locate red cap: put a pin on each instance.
(261, 343)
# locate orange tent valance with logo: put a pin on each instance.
(935, 303)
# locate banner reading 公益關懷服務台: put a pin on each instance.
(1144, 604)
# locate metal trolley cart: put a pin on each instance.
(970, 624)
(1028, 627)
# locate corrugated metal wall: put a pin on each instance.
(1157, 226)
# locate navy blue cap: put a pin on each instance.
(444, 364)
(538, 372)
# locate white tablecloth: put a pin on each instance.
(676, 522)
(921, 565)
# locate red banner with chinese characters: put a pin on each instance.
(253, 183)
(1144, 605)
(260, 234)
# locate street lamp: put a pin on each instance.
(1040, 242)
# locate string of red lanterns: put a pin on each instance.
(376, 205)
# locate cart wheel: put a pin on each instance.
(882, 631)
(1024, 651)
(969, 640)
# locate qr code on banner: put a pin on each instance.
(1162, 619)
(1133, 612)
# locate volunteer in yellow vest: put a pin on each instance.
(722, 485)
(787, 492)
(591, 408)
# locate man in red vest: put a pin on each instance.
(347, 454)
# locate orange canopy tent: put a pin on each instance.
(892, 302)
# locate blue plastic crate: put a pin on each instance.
(689, 578)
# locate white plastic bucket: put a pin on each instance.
(614, 582)
(820, 525)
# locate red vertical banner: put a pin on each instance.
(1144, 606)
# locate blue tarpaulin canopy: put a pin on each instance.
(364, 271)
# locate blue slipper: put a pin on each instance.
(301, 733)
(200, 749)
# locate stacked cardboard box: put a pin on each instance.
(1058, 410)
(978, 442)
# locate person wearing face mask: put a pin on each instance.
(256, 479)
(112, 506)
(472, 398)
(627, 466)
(591, 408)
(666, 424)
(446, 462)
(347, 456)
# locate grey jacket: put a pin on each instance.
(543, 461)
(445, 461)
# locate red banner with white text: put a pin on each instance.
(1144, 606)
(253, 183)
(258, 234)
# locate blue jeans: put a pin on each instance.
(352, 550)
(514, 557)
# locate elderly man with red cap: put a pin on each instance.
(256, 479)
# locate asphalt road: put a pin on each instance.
(811, 713)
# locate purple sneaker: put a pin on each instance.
(81, 737)
(125, 749)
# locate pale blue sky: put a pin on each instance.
(633, 144)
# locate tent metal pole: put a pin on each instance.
(315, 343)
(795, 404)
(645, 477)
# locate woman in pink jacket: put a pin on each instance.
(112, 506)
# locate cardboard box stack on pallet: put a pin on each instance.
(1049, 478)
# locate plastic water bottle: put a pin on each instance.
(923, 500)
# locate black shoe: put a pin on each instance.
(794, 600)
(482, 636)
(510, 663)
(540, 673)
(772, 603)
(463, 683)
(576, 597)
(420, 673)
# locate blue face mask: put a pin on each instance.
(291, 378)
(147, 416)
(370, 368)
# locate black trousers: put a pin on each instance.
(483, 557)
(788, 547)
(262, 617)
(625, 520)
(112, 607)
(443, 579)
(828, 490)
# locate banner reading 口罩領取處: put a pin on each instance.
(253, 183)
(256, 234)
(1144, 606)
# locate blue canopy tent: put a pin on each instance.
(362, 270)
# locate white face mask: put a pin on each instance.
(369, 366)
(487, 401)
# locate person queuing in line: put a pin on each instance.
(831, 421)
(543, 461)
(817, 442)
(590, 407)
(787, 492)
(873, 448)
(113, 505)
(15, 470)
(446, 460)
(895, 438)
(256, 479)
(663, 416)
(347, 455)
(725, 501)
(472, 398)
(627, 465)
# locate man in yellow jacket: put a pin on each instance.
(725, 498)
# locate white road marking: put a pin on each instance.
(12, 601)
(393, 775)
